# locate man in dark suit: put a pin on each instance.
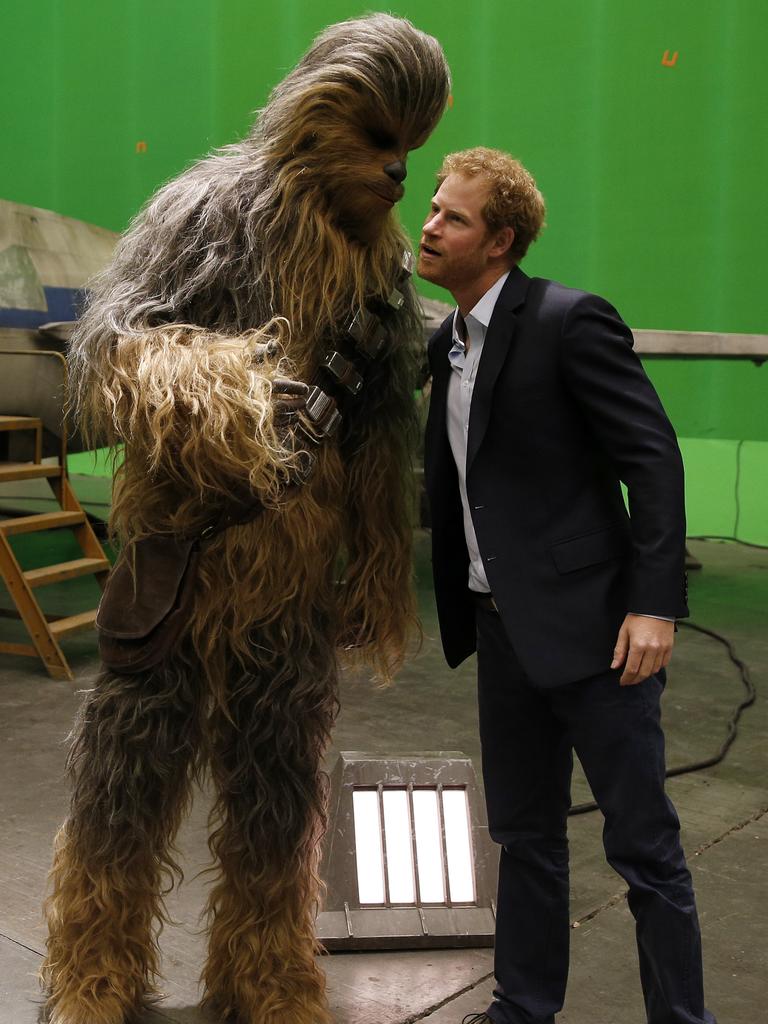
(539, 408)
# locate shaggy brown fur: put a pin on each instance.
(280, 237)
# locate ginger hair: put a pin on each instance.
(514, 200)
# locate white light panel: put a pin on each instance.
(434, 813)
(429, 846)
(370, 859)
(397, 835)
(461, 876)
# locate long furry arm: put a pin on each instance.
(378, 601)
(169, 358)
(193, 407)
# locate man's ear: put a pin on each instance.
(502, 242)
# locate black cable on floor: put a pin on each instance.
(749, 699)
(734, 540)
(737, 481)
(737, 505)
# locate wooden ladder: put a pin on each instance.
(46, 632)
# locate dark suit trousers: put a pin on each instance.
(527, 736)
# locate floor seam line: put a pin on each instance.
(449, 999)
(756, 816)
(23, 945)
(702, 848)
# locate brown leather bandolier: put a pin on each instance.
(342, 370)
(149, 593)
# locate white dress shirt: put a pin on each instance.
(464, 366)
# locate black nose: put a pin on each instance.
(396, 171)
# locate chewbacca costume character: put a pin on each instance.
(244, 275)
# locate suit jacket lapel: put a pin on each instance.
(496, 348)
(436, 432)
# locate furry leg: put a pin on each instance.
(270, 815)
(131, 763)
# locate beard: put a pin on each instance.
(449, 271)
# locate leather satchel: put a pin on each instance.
(146, 602)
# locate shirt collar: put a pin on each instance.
(483, 309)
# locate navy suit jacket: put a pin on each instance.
(562, 411)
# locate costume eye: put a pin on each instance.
(381, 138)
(306, 143)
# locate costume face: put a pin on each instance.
(365, 177)
(455, 241)
(339, 127)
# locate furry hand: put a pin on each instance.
(289, 398)
(264, 350)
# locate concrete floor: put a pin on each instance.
(723, 811)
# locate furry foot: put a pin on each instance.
(273, 998)
(92, 1007)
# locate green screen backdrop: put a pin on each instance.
(644, 125)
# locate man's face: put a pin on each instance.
(455, 240)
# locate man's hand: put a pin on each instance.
(644, 646)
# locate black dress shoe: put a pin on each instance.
(477, 1018)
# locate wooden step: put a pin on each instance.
(65, 571)
(72, 623)
(41, 521)
(20, 650)
(20, 423)
(27, 471)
